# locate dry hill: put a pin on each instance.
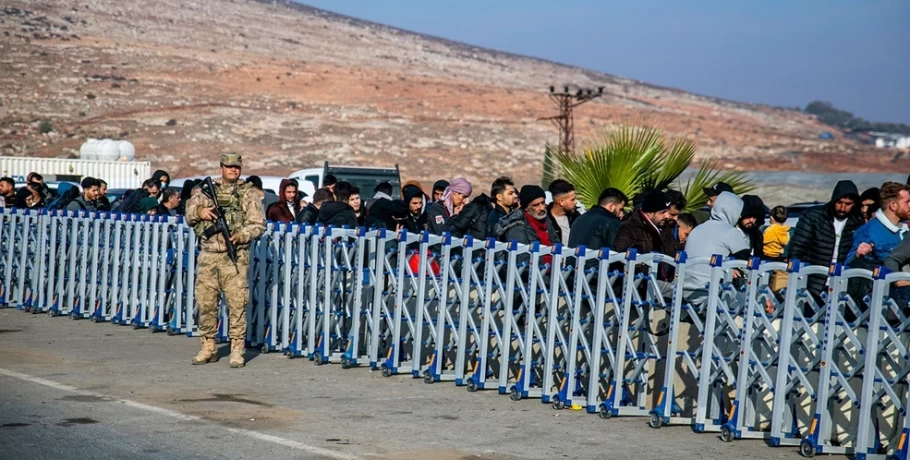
(291, 86)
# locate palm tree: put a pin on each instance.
(637, 160)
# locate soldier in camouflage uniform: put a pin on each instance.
(216, 273)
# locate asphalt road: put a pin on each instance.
(74, 389)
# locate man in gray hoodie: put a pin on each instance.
(718, 235)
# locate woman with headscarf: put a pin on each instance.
(453, 199)
(148, 205)
(162, 177)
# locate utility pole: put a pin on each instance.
(566, 101)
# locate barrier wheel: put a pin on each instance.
(93, 319)
(725, 434)
(605, 413)
(428, 378)
(472, 386)
(265, 350)
(52, 313)
(318, 359)
(514, 394)
(806, 449)
(170, 331)
(135, 326)
(654, 421)
(386, 372)
(345, 362)
(559, 404)
(291, 355)
(153, 329)
(74, 316)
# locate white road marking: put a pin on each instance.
(180, 416)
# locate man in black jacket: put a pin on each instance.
(824, 234)
(505, 199)
(597, 228)
(338, 213)
(562, 212)
(310, 214)
(472, 220)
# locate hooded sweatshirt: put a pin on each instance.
(718, 235)
(282, 211)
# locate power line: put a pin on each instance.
(566, 101)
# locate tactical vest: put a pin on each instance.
(229, 200)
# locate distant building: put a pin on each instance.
(891, 141)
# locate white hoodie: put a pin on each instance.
(718, 235)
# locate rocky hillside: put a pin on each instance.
(290, 87)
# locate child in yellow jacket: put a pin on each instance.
(776, 238)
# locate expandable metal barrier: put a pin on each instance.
(587, 329)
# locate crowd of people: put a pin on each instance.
(859, 230)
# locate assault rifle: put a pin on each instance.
(220, 226)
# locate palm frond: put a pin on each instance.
(708, 175)
(637, 160)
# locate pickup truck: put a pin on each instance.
(364, 178)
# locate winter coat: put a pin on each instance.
(337, 214)
(515, 227)
(472, 220)
(882, 234)
(438, 219)
(308, 215)
(813, 239)
(80, 204)
(280, 211)
(595, 229)
(493, 218)
(638, 233)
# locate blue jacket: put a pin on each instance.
(879, 232)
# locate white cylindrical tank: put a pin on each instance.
(110, 150)
(107, 150)
(127, 151)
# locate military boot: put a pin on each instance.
(237, 350)
(207, 354)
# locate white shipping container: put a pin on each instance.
(117, 174)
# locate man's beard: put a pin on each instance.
(541, 216)
(840, 215)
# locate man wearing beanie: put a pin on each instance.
(453, 199)
(530, 223)
(642, 230)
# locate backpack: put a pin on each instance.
(66, 193)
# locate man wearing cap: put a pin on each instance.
(642, 230)
(243, 212)
(712, 193)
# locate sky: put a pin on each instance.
(855, 54)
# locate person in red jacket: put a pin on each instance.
(287, 207)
